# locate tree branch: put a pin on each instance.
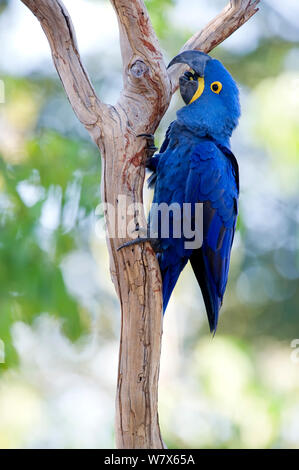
(137, 36)
(234, 15)
(136, 274)
(146, 81)
(58, 27)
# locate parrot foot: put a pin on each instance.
(154, 241)
(150, 146)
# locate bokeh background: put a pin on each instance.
(59, 315)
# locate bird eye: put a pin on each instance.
(216, 87)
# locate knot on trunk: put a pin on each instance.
(139, 68)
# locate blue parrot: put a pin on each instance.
(195, 165)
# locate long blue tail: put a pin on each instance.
(170, 275)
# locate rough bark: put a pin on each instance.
(145, 98)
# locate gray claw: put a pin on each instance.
(155, 242)
(151, 148)
(136, 241)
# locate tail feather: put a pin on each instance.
(170, 275)
(211, 299)
(171, 272)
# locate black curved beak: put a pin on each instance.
(189, 82)
(195, 59)
(188, 87)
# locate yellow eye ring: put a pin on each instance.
(216, 87)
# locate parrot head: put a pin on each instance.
(210, 94)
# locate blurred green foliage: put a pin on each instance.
(3, 5)
(30, 275)
(239, 389)
(158, 10)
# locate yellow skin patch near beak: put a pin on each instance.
(200, 89)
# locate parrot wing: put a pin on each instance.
(214, 181)
(166, 140)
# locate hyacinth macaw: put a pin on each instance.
(195, 164)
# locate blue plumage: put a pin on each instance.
(195, 165)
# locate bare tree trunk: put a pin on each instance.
(145, 98)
